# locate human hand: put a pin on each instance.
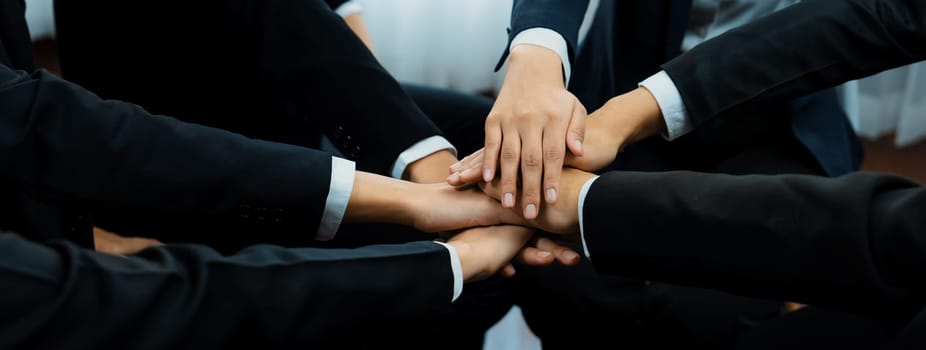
(111, 243)
(561, 217)
(430, 169)
(535, 253)
(624, 119)
(484, 251)
(427, 207)
(533, 121)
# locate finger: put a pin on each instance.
(471, 172)
(534, 257)
(493, 146)
(460, 165)
(564, 255)
(553, 151)
(492, 189)
(509, 164)
(575, 134)
(531, 172)
(508, 271)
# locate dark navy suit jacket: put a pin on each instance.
(628, 42)
(69, 161)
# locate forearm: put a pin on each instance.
(300, 296)
(109, 158)
(377, 198)
(814, 45)
(843, 243)
(430, 169)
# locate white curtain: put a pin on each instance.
(40, 16)
(445, 43)
(893, 101)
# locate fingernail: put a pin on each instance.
(486, 175)
(551, 194)
(456, 167)
(570, 255)
(530, 211)
(508, 200)
(454, 178)
(543, 254)
(578, 144)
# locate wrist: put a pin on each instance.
(633, 116)
(537, 63)
(377, 198)
(430, 169)
(465, 253)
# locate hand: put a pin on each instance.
(532, 122)
(563, 216)
(484, 251)
(430, 169)
(537, 252)
(426, 207)
(111, 243)
(622, 120)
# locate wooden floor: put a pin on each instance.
(881, 155)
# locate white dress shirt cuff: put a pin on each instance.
(348, 8)
(420, 150)
(547, 38)
(342, 183)
(582, 194)
(670, 103)
(457, 268)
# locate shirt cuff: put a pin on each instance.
(582, 194)
(457, 268)
(342, 184)
(420, 150)
(547, 38)
(670, 103)
(348, 8)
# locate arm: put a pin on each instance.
(534, 119)
(119, 163)
(803, 48)
(190, 296)
(67, 147)
(851, 243)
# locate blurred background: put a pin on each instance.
(456, 45)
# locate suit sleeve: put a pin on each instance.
(189, 296)
(562, 16)
(854, 243)
(800, 49)
(153, 175)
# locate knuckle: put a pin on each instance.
(509, 155)
(553, 155)
(531, 195)
(531, 160)
(508, 183)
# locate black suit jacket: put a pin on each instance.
(286, 71)
(627, 43)
(853, 243)
(71, 160)
(806, 47)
